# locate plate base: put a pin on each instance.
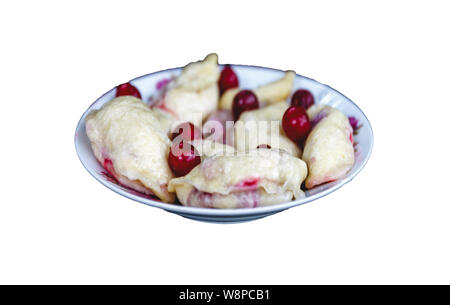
(223, 220)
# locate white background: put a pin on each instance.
(391, 224)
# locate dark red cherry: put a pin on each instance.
(183, 157)
(296, 124)
(127, 89)
(186, 131)
(228, 79)
(302, 98)
(243, 101)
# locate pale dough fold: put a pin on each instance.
(129, 141)
(256, 178)
(328, 149)
(207, 148)
(194, 94)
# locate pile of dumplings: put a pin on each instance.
(243, 162)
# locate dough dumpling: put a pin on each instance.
(328, 149)
(260, 177)
(128, 140)
(194, 94)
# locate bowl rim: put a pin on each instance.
(186, 210)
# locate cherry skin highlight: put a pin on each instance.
(302, 98)
(228, 79)
(186, 131)
(127, 89)
(296, 124)
(245, 100)
(183, 157)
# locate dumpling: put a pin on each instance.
(263, 127)
(328, 149)
(165, 119)
(128, 140)
(276, 91)
(270, 93)
(194, 94)
(260, 177)
(273, 112)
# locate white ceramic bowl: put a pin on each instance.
(249, 77)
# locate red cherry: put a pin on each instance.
(302, 98)
(296, 124)
(183, 157)
(186, 131)
(127, 89)
(243, 101)
(228, 79)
